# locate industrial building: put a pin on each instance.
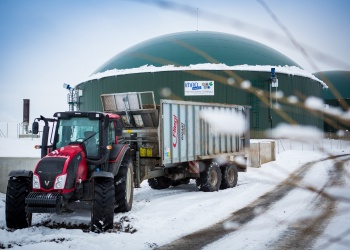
(209, 67)
(336, 96)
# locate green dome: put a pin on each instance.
(196, 47)
(340, 81)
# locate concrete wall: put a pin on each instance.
(262, 152)
(7, 164)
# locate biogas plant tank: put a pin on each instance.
(202, 66)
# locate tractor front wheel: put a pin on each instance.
(102, 213)
(17, 190)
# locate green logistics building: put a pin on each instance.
(338, 96)
(209, 67)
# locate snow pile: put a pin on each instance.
(289, 70)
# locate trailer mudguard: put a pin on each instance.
(117, 155)
(21, 173)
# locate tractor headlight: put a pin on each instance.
(60, 181)
(36, 182)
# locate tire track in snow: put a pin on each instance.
(201, 238)
(303, 233)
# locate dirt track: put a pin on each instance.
(299, 235)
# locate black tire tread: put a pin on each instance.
(122, 203)
(17, 191)
(180, 182)
(102, 213)
(225, 183)
(203, 182)
(158, 183)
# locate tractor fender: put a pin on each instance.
(120, 151)
(99, 161)
(21, 173)
(102, 174)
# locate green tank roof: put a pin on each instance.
(339, 79)
(196, 47)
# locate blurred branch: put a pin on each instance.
(303, 52)
(289, 35)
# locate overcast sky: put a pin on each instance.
(47, 43)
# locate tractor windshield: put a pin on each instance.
(79, 129)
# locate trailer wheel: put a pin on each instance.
(180, 182)
(159, 182)
(17, 191)
(229, 176)
(124, 189)
(102, 213)
(210, 178)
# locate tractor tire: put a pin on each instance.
(229, 176)
(124, 189)
(210, 178)
(159, 182)
(102, 213)
(17, 191)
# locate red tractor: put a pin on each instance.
(82, 165)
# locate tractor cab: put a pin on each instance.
(82, 130)
(94, 131)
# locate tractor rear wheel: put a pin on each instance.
(229, 176)
(210, 178)
(124, 189)
(17, 191)
(102, 213)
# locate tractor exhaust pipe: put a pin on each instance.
(45, 137)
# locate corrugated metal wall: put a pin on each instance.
(300, 87)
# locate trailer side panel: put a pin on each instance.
(187, 137)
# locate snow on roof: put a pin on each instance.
(289, 70)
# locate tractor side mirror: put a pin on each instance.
(35, 128)
(119, 128)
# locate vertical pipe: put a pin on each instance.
(45, 137)
(26, 104)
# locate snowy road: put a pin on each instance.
(263, 212)
(299, 234)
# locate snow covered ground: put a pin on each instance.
(159, 217)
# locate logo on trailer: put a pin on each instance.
(175, 131)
